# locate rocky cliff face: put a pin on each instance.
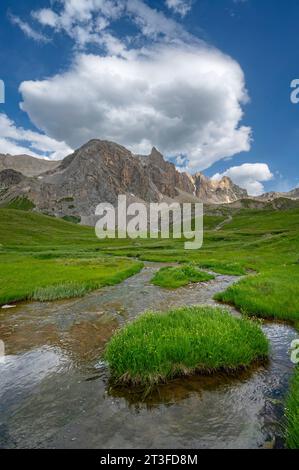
(99, 171)
(10, 178)
(164, 175)
(222, 191)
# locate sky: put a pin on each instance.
(207, 82)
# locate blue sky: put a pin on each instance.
(206, 81)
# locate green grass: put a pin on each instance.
(104, 274)
(26, 278)
(262, 242)
(292, 414)
(21, 203)
(43, 258)
(157, 347)
(72, 218)
(231, 268)
(28, 231)
(35, 249)
(173, 277)
(272, 294)
(266, 242)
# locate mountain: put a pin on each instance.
(222, 191)
(28, 166)
(294, 194)
(98, 172)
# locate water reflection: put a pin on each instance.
(178, 389)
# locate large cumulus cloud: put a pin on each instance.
(185, 99)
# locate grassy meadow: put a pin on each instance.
(45, 258)
(262, 246)
(42, 258)
(37, 251)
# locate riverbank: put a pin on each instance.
(68, 337)
(42, 258)
(55, 389)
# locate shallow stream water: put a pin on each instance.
(55, 393)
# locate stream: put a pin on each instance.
(55, 392)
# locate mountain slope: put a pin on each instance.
(99, 171)
(26, 164)
(293, 194)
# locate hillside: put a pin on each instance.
(25, 164)
(250, 240)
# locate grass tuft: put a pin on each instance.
(157, 346)
(173, 277)
(292, 414)
(67, 290)
(272, 294)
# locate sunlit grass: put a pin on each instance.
(157, 347)
(173, 277)
(26, 278)
(44, 258)
(272, 294)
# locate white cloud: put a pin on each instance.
(14, 140)
(83, 20)
(186, 100)
(46, 17)
(87, 21)
(27, 29)
(176, 93)
(182, 7)
(153, 23)
(249, 176)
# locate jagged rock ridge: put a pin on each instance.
(294, 194)
(100, 170)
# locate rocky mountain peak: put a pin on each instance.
(156, 157)
(101, 170)
(216, 191)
